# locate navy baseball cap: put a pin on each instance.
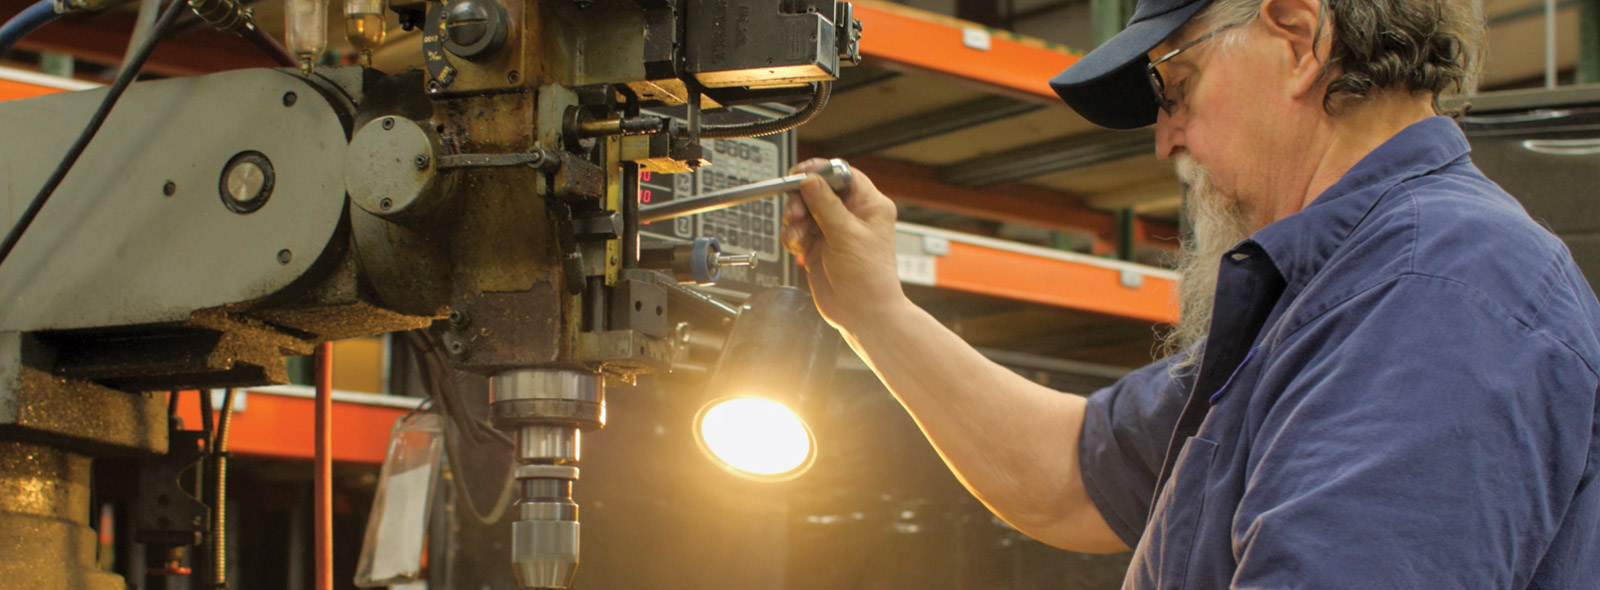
(1109, 86)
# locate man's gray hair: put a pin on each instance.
(1417, 46)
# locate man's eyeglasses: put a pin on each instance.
(1160, 86)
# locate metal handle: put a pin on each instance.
(837, 175)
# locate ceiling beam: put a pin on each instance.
(858, 77)
(1139, 198)
(1056, 155)
(917, 127)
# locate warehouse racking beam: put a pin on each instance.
(276, 422)
(1002, 60)
(903, 131)
(986, 266)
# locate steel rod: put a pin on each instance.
(1549, 43)
(837, 175)
(323, 480)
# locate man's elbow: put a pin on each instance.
(1076, 528)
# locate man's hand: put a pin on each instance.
(846, 245)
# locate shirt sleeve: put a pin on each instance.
(1126, 429)
(1421, 438)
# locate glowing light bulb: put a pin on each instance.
(756, 437)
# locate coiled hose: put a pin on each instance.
(220, 532)
(819, 99)
(220, 448)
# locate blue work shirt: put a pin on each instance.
(1398, 391)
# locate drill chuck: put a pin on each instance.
(547, 409)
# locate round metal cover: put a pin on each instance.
(391, 169)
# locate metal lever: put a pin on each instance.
(837, 175)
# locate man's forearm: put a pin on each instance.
(1013, 443)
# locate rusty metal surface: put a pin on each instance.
(508, 330)
(45, 540)
(41, 406)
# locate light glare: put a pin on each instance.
(756, 436)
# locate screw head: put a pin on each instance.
(244, 181)
(386, 204)
(513, 77)
(457, 318)
(169, 188)
(289, 98)
(457, 348)
(284, 256)
(421, 161)
(388, 123)
(467, 23)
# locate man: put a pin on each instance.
(1395, 386)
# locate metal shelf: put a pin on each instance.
(278, 422)
(985, 266)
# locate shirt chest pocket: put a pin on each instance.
(1169, 540)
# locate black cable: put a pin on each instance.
(436, 373)
(441, 389)
(270, 46)
(819, 99)
(130, 70)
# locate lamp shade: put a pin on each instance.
(768, 387)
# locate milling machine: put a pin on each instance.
(219, 223)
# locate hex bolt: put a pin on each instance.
(422, 162)
(289, 98)
(284, 256)
(388, 123)
(170, 188)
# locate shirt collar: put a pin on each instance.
(1299, 245)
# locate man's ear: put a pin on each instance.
(1293, 27)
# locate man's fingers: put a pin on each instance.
(796, 239)
(809, 166)
(826, 207)
(795, 210)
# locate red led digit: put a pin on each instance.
(644, 176)
(644, 196)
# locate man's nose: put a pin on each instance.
(1169, 137)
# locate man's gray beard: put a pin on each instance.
(1218, 224)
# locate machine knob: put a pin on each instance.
(474, 28)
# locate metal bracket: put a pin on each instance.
(536, 159)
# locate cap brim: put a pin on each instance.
(1109, 87)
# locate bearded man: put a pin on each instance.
(1386, 369)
